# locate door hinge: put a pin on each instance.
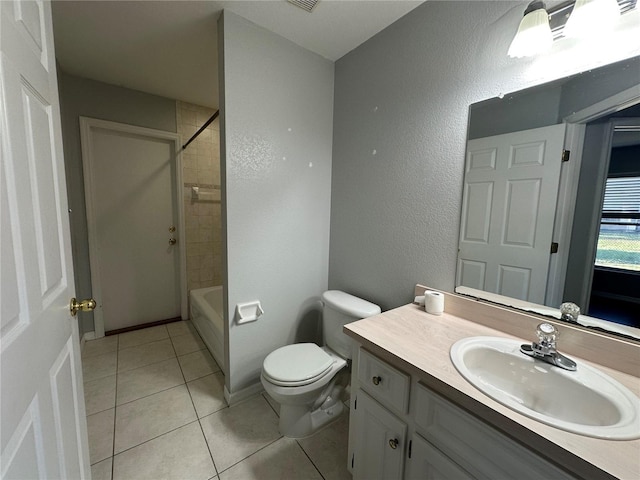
(352, 459)
(410, 443)
(355, 403)
(565, 155)
(554, 247)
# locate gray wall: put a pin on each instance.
(276, 127)
(551, 102)
(532, 109)
(400, 126)
(88, 98)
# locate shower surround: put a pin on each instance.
(201, 168)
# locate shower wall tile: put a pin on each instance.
(201, 166)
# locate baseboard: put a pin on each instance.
(237, 397)
(141, 326)
(86, 336)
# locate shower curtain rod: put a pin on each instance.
(206, 124)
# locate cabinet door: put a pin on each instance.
(428, 463)
(380, 441)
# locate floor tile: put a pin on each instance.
(135, 357)
(100, 394)
(147, 380)
(102, 470)
(187, 343)
(148, 417)
(275, 405)
(180, 328)
(179, 454)
(100, 429)
(207, 394)
(327, 448)
(140, 337)
(197, 364)
(235, 433)
(99, 366)
(100, 346)
(282, 460)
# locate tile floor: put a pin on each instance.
(156, 409)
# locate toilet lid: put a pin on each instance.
(297, 364)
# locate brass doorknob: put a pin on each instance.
(172, 241)
(83, 305)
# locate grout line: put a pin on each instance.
(149, 365)
(206, 441)
(272, 408)
(307, 455)
(158, 340)
(154, 438)
(150, 395)
(115, 411)
(251, 455)
(215, 468)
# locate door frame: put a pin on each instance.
(576, 126)
(86, 125)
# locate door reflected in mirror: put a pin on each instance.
(551, 198)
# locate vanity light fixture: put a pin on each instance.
(591, 17)
(575, 18)
(534, 33)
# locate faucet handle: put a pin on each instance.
(569, 312)
(547, 335)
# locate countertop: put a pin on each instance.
(419, 343)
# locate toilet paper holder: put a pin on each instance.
(248, 312)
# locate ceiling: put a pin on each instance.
(169, 48)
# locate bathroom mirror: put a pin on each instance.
(531, 220)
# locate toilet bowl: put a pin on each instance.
(305, 378)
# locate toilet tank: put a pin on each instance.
(340, 308)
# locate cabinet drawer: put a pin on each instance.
(385, 383)
(475, 446)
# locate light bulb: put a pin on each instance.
(591, 17)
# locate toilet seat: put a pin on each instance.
(296, 365)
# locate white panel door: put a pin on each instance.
(43, 427)
(132, 209)
(510, 195)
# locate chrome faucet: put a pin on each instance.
(545, 348)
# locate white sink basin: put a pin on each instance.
(586, 401)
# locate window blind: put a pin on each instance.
(622, 198)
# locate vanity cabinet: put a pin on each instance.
(401, 429)
(382, 435)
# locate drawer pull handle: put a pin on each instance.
(393, 443)
(376, 380)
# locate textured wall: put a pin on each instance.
(203, 218)
(88, 98)
(400, 125)
(277, 108)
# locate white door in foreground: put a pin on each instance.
(43, 431)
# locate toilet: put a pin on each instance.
(302, 377)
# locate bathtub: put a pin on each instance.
(207, 316)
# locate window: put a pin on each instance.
(619, 239)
